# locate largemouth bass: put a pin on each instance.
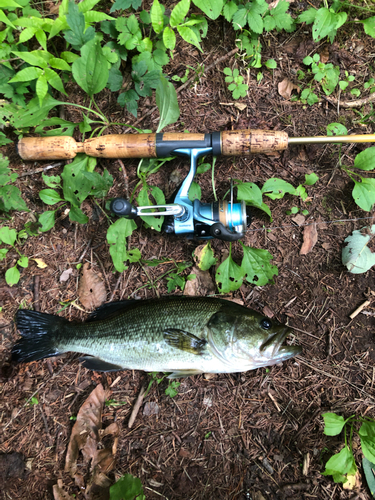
(181, 335)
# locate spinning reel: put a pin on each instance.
(221, 219)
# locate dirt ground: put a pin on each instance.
(240, 436)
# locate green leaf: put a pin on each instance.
(3, 253)
(311, 179)
(308, 16)
(157, 17)
(47, 219)
(230, 8)
(10, 199)
(49, 196)
(340, 464)
(41, 88)
(179, 12)
(367, 435)
(336, 129)
(365, 160)
(356, 256)
(31, 58)
(206, 258)
(364, 193)
(195, 192)
(229, 275)
(212, 8)
(144, 200)
(12, 276)
(115, 79)
(5, 20)
(271, 64)
(125, 4)
(333, 424)
(189, 36)
(77, 36)
(169, 38)
(281, 18)
(325, 22)
(369, 26)
(23, 261)
(76, 186)
(127, 487)
(66, 127)
(8, 236)
(57, 63)
(76, 215)
(26, 75)
(368, 468)
(256, 266)
(52, 181)
(116, 238)
(90, 71)
(166, 101)
(94, 16)
(276, 188)
(34, 113)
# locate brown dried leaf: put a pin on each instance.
(310, 237)
(324, 55)
(59, 493)
(299, 219)
(202, 285)
(85, 432)
(286, 87)
(91, 289)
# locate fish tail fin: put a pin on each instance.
(39, 332)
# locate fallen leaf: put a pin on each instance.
(201, 285)
(310, 237)
(351, 481)
(91, 289)
(240, 105)
(40, 263)
(59, 493)
(326, 246)
(324, 55)
(286, 87)
(299, 219)
(66, 275)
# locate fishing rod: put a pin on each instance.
(221, 219)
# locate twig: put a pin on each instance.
(103, 270)
(351, 104)
(85, 251)
(126, 181)
(231, 53)
(41, 169)
(115, 289)
(360, 309)
(45, 425)
(36, 293)
(137, 406)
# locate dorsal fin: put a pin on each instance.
(110, 309)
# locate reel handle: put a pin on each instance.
(124, 208)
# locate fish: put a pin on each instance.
(180, 335)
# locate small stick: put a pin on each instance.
(85, 251)
(103, 270)
(41, 169)
(115, 289)
(351, 104)
(360, 309)
(274, 401)
(36, 293)
(137, 406)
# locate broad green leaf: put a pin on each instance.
(365, 160)
(12, 276)
(169, 38)
(307, 16)
(7, 4)
(205, 257)
(336, 129)
(127, 487)
(364, 193)
(90, 71)
(3, 252)
(311, 179)
(116, 238)
(66, 127)
(69, 57)
(356, 256)
(166, 101)
(276, 188)
(5, 20)
(229, 275)
(189, 36)
(256, 266)
(10, 199)
(8, 236)
(179, 12)
(76, 215)
(195, 192)
(49, 196)
(76, 186)
(34, 113)
(333, 424)
(54, 80)
(325, 22)
(212, 8)
(41, 88)
(369, 26)
(42, 38)
(281, 18)
(250, 193)
(57, 63)
(144, 200)
(157, 17)
(115, 79)
(367, 435)
(97, 17)
(254, 17)
(47, 219)
(23, 261)
(230, 8)
(26, 75)
(78, 35)
(271, 64)
(340, 464)
(368, 468)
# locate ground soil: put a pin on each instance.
(235, 436)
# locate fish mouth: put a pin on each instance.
(275, 348)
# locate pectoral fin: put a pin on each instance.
(184, 341)
(98, 365)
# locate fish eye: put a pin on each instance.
(266, 324)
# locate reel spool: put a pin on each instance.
(221, 219)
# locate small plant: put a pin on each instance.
(237, 87)
(127, 487)
(344, 83)
(342, 466)
(170, 391)
(326, 74)
(10, 237)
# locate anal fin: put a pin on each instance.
(98, 365)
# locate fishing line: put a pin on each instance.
(296, 226)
